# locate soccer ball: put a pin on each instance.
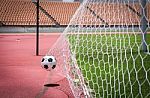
(48, 63)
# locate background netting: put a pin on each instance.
(104, 51)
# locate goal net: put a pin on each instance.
(104, 51)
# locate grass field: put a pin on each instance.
(113, 65)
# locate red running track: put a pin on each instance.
(20, 73)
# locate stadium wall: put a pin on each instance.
(26, 29)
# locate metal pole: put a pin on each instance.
(37, 29)
(144, 24)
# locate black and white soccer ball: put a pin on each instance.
(48, 63)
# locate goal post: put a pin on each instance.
(37, 27)
(100, 50)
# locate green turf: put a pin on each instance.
(113, 65)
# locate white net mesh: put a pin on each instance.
(104, 50)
